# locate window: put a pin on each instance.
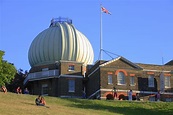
(44, 89)
(132, 80)
(150, 81)
(71, 85)
(167, 81)
(45, 69)
(45, 72)
(109, 78)
(71, 67)
(121, 78)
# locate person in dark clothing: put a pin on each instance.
(40, 101)
(26, 91)
(114, 90)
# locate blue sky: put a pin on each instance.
(139, 30)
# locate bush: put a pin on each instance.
(122, 97)
(109, 97)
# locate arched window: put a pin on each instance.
(121, 78)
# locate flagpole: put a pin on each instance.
(100, 32)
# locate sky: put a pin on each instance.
(139, 30)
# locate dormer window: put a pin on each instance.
(71, 68)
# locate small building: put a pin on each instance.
(143, 79)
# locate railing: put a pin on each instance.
(41, 75)
(60, 20)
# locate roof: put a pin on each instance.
(61, 41)
(142, 66)
(155, 67)
(169, 63)
(123, 59)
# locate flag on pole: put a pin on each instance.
(105, 10)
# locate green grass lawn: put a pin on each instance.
(20, 104)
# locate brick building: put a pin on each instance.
(142, 79)
(58, 56)
(62, 79)
(61, 60)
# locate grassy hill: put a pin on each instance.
(20, 104)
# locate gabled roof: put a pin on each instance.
(123, 59)
(169, 63)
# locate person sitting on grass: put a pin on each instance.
(19, 90)
(40, 101)
(37, 100)
(4, 89)
(26, 91)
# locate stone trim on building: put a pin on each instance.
(121, 70)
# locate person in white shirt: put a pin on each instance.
(130, 95)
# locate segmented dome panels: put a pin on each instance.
(61, 41)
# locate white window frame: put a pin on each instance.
(71, 68)
(132, 81)
(167, 81)
(151, 81)
(121, 78)
(45, 69)
(109, 78)
(71, 85)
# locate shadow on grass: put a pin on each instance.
(89, 104)
(35, 104)
(28, 103)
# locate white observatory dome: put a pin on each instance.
(61, 41)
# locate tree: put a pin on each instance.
(18, 80)
(7, 70)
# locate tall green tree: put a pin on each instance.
(7, 70)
